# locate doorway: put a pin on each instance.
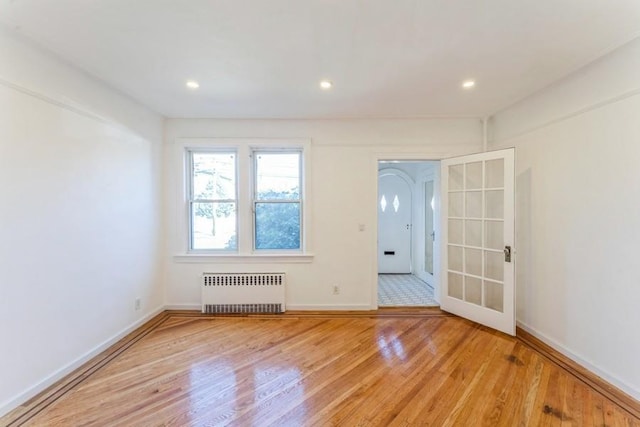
(407, 205)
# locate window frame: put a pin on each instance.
(191, 200)
(178, 214)
(255, 151)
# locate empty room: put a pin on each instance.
(316, 213)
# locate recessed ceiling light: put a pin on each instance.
(468, 84)
(192, 84)
(326, 84)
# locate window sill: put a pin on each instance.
(244, 259)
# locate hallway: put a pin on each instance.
(404, 290)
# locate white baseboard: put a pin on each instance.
(183, 307)
(297, 307)
(581, 361)
(330, 307)
(9, 405)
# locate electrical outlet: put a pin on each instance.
(137, 304)
(336, 290)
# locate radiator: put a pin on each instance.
(243, 292)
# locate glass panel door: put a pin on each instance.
(478, 232)
(428, 227)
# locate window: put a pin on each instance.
(277, 209)
(244, 198)
(213, 200)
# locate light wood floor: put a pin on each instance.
(325, 371)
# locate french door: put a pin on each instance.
(478, 275)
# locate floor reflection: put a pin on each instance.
(219, 391)
(212, 390)
(269, 382)
(390, 347)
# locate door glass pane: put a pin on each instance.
(494, 235)
(494, 173)
(455, 231)
(428, 226)
(473, 261)
(455, 285)
(493, 296)
(456, 174)
(455, 204)
(473, 233)
(474, 204)
(473, 290)
(473, 176)
(494, 204)
(214, 226)
(494, 265)
(455, 258)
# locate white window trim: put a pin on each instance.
(244, 171)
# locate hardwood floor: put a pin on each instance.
(321, 369)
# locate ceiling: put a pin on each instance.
(386, 58)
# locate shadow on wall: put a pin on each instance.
(524, 288)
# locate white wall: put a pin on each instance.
(343, 191)
(79, 217)
(578, 214)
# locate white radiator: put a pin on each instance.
(243, 292)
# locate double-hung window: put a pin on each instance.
(245, 198)
(277, 199)
(213, 201)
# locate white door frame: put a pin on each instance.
(403, 156)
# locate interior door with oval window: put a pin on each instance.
(478, 274)
(394, 224)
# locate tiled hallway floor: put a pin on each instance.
(404, 290)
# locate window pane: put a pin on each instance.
(214, 176)
(494, 234)
(473, 290)
(277, 176)
(493, 295)
(214, 226)
(494, 205)
(473, 261)
(456, 175)
(277, 226)
(455, 205)
(473, 176)
(455, 258)
(473, 233)
(455, 285)
(455, 231)
(473, 208)
(494, 173)
(494, 265)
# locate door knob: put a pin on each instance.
(507, 254)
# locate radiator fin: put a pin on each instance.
(242, 308)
